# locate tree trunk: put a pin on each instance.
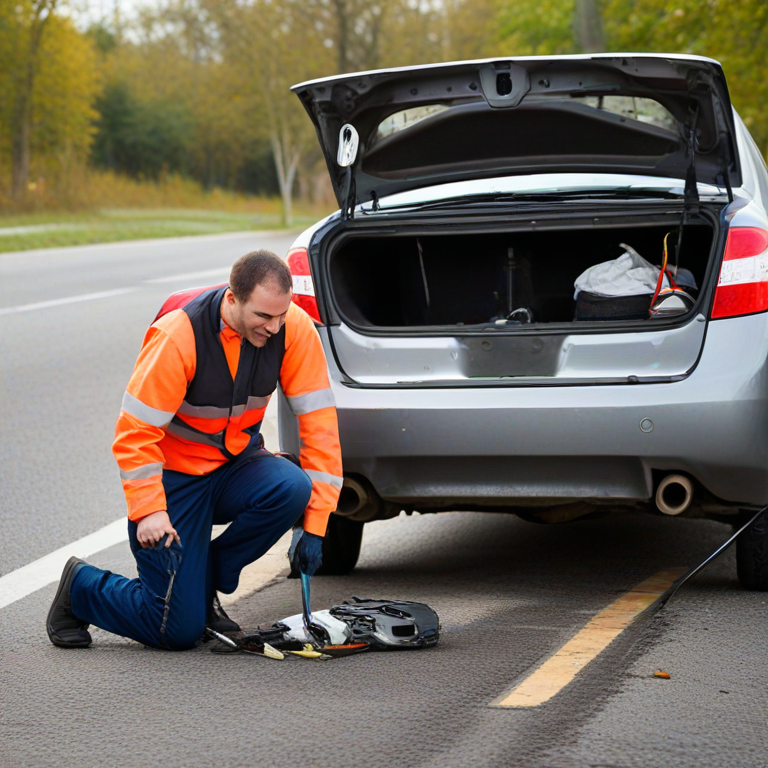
(588, 26)
(286, 173)
(292, 168)
(21, 127)
(374, 52)
(342, 22)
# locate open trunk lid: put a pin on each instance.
(655, 115)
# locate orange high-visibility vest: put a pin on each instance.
(197, 398)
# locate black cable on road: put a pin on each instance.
(690, 574)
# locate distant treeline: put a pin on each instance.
(200, 87)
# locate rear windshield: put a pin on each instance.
(635, 108)
(642, 109)
(558, 134)
(407, 118)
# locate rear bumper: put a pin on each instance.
(490, 447)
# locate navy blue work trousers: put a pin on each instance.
(262, 496)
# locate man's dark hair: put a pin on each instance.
(259, 268)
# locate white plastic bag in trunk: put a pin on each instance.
(629, 275)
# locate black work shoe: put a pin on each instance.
(64, 628)
(218, 619)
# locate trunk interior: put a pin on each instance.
(462, 280)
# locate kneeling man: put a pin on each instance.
(190, 453)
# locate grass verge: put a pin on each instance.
(22, 232)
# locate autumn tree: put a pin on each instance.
(537, 27)
(351, 29)
(732, 33)
(48, 83)
(227, 68)
(588, 26)
(265, 48)
(470, 30)
(22, 26)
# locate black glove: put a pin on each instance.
(306, 552)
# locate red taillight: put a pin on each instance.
(743, 285)
(303, 287)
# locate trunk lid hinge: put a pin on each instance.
(726, 153)
(724, 141)
(727, 178)
(726, 162)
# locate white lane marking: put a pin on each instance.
(67, 300)
(47, 570)
(28, 579)
(220, 271)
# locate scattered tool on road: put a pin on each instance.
(352, 627)
(243, 643)
(355, 626)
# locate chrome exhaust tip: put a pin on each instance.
(674, 494)
(352, 499)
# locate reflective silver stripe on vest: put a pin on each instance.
(214, 412)
(203, 411)
(312, 401)
(325, 477)
(142, 473)
(253, 404)
(195, 435)
(134, 407)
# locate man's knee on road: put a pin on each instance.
(183, 629)
(173, 590)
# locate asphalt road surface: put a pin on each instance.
(510, 594)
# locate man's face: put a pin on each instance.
(262, 316)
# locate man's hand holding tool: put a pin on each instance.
(306, 554)
(152, 528)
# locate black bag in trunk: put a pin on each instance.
(589, 306)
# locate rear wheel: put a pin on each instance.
(341, 547)
(752, 555)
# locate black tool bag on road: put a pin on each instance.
(389, 624)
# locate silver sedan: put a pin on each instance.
(485, 345)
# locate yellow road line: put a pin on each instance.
(559, 670)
